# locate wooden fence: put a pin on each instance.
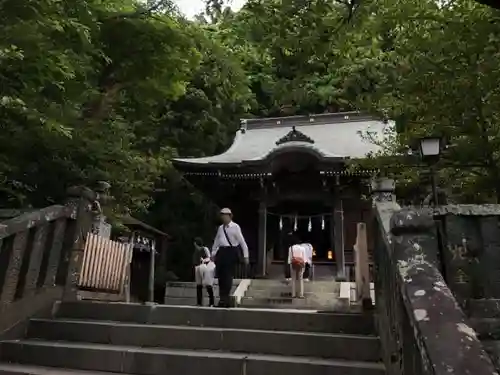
(105, 264)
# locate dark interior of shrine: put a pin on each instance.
(313, 226)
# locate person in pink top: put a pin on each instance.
(297, 256)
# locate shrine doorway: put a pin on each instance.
(310, 221)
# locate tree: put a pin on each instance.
(111, 91)
(72, 103)
(441, 74)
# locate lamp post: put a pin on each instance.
(430, 151)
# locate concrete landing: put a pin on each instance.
(184, 293)
(322, 271)
(277, 294)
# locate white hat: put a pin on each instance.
(226, 211)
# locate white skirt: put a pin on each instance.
(205, 274)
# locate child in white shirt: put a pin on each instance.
(204, 272)
(297, 259)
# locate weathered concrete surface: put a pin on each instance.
(148, 361)
(466, 210)
(156, 340)
(32, 246)
(15, 315)
(319, 295)
(441, 331)
(240, 318)
(208, 338)
(32, 219)
(471, 250)
(184, 293)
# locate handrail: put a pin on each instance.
(32, 219)
(422, 328)
(41, 253)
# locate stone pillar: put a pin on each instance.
(81, 200)
(338, 235)
(152, 269)
(361, 267)
(100, 226)
(470, 251)
(262, 241)
(383, 190)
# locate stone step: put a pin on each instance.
(292, 307)
(266, 283)
(336, 346)
(288, 289)
(288, 293)
(17, 369)
(189, 292)
(239, 318)
(154, 361)
(185, 301)
(288, 302)
(190, 284)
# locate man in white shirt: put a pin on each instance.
(228, 243)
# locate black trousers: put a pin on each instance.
(307, 271)
(225, 261)
(199, 295)
(287, 270)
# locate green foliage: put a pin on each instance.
(96, 92)
(112, 90)
(439, 73)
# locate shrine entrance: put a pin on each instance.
(290, 174)
(310, 221)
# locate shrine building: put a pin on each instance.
(292, 174)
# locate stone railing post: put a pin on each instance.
(81, 200)
(471, 250)
(416, 237)
(262, 237)
(422, 328)
(100, 226)
(383, 189)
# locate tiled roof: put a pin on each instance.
(339, 135)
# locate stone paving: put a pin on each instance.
(322, 293)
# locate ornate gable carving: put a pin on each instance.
(294, 136)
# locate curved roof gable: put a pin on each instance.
(332, 136)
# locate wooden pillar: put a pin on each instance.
(332, 228)
(362, 271)
(151, 281)
(338, 232)
(261, 256)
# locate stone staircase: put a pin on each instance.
(96, 337)
(319, 294)
(184, 293)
